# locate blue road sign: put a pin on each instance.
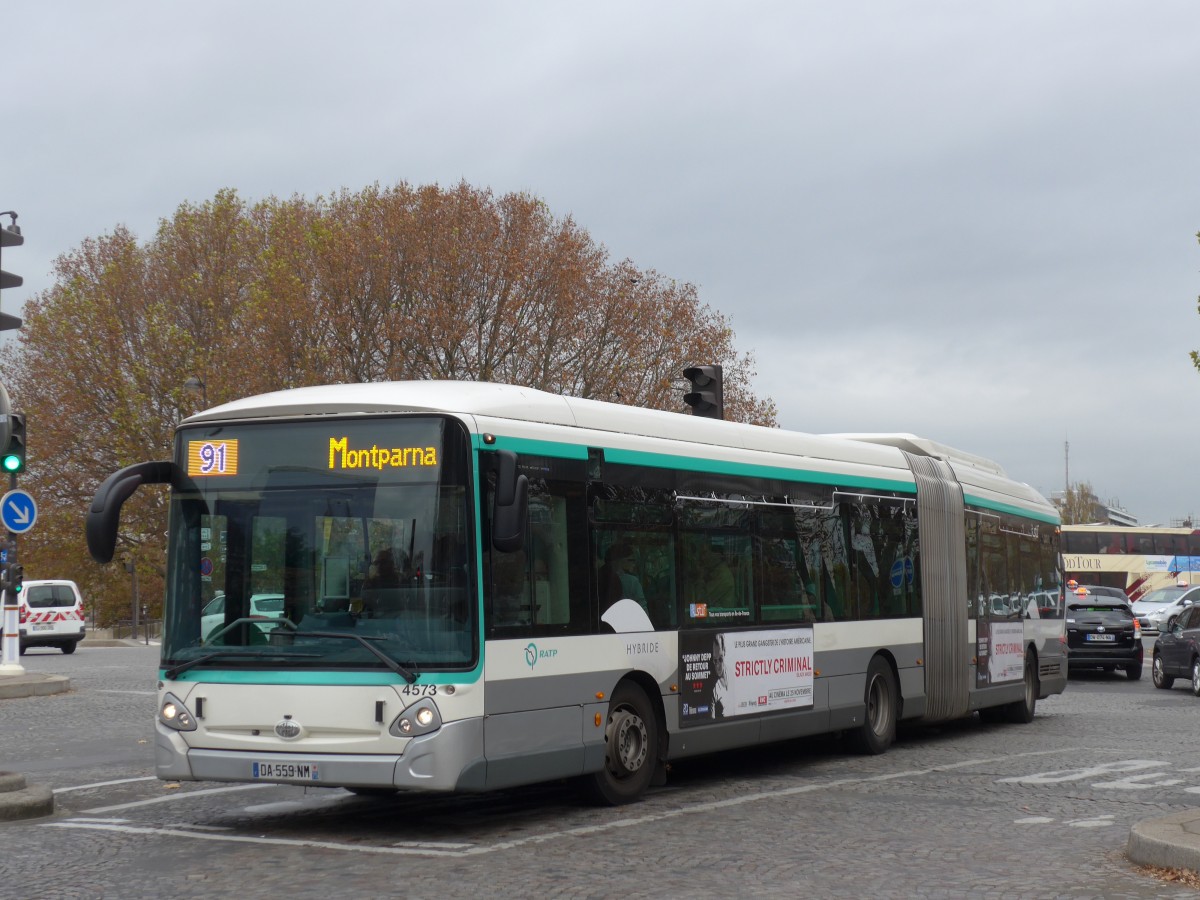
(18, 511)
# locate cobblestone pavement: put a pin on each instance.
(965, 809)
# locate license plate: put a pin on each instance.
(289, 771)
(1101, 637)
(44, 626)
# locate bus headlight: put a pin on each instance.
(175, 715)
(420, 718)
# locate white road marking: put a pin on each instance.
(180, 795)
(423, 848)
(240, 839)
(97, 819)
(84, 787)
(1097, 822)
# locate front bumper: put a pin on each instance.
(450, 759)
(50, 638)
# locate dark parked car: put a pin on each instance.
(1102, 633)
(1177, 651)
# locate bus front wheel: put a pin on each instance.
(630, 747)
(878, 729)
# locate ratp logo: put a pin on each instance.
(533, 654)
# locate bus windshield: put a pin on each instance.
(328, 544)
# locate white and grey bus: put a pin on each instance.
(454, 586)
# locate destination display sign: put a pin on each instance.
(404, 450)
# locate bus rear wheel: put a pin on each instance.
(878, 729)
(630, 747)
(1022, 711)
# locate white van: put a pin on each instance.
(51, 614)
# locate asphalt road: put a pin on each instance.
(964, 809)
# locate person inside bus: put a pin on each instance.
(818, 609)
(617, 581)
(719, 586)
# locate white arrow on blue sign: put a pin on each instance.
(18, 511)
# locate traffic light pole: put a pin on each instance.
(10, 646)
(10, 636)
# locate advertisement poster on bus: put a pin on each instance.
(1007, 659)
(737, 673)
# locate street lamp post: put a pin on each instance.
(131, 568)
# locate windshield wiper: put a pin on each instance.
(396, 666)
(177, 670)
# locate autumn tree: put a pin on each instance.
(381, 284)
(1080, 505)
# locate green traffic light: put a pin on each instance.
(11, 463)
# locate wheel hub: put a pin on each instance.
(628, 741)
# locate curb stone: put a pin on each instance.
(12, 686)
(18, 801)
(1171, 842)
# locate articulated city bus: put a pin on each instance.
(1137, 560)
(466, 586)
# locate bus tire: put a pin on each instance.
(882, 699)
(630, 748)
(1159, 674)
(1022, 711)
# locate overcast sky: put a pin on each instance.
(971, 221)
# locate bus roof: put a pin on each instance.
(511, 402)
(919, 446)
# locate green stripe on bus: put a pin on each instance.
(692, 464)
(1009, 509)
(725, 467)
(533, 447)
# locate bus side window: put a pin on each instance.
(540, 589)
(716, 578)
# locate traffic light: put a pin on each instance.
(706, 398)
(13, 460)
(12, 577)
(10, 236)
